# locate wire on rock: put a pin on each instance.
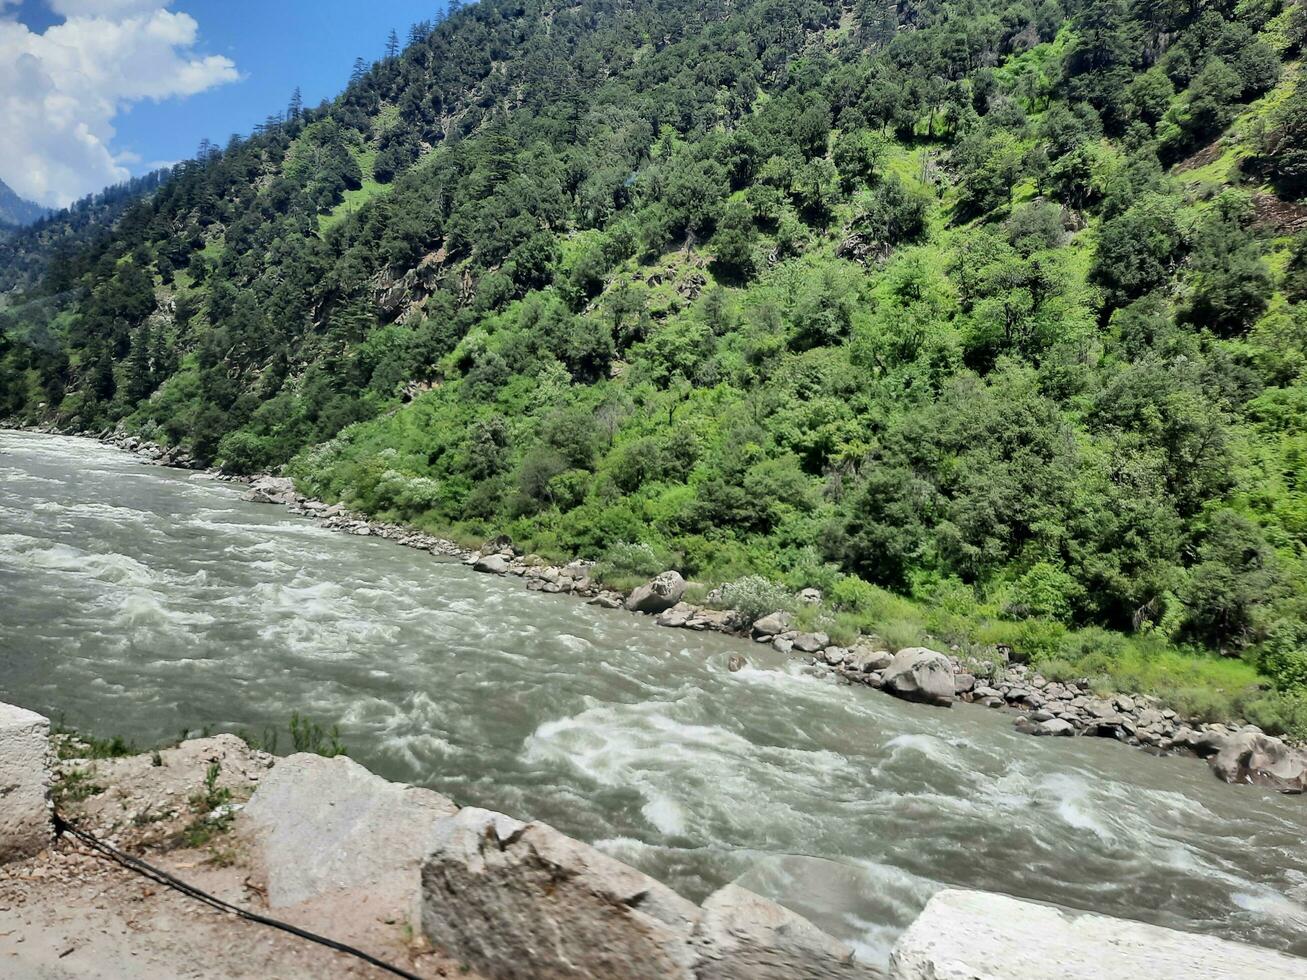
(162, 877)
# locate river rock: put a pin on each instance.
(866, 659)
(919, 674)
(1151, 718)
(1054, 726)
(517, 901)
(720, 620)
(736, 662)
(676, 617)
(277, 487)
(811, 642)
(662, 593)
(1250, 756)
(743, 936)
(963, 683)
(834, 655)
(493, 564)
(969, 935)
(328, 825)
(770, 625)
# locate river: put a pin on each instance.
(141, 601)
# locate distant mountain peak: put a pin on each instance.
(14, 210)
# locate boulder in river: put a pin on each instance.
(1249, 756)
(662, 593)
(494, 564)
(519, 900)
(919, 674)
(811, 642)
(1054, 726)
(771, 624)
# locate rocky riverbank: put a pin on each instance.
(1236, 752)
(437, 890)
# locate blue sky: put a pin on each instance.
(166, 73)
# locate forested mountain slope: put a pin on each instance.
(987, 317)
(54, 240)
(16, 211)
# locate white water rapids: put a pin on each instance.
(144, 602)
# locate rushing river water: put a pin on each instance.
(141, 601)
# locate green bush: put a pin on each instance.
(627, 560)
(755, 597)
(1287, 668)
(1045, 591)
(1279, 713)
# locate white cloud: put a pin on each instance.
(111, 9)
(60, 91)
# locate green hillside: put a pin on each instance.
(988, 318)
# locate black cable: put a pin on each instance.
(162, 877)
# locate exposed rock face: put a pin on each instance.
(325, 825)
(918, 674)
(966, 935)
(1251, 757)
(662, 593)
(743, 936)
(519, 900)
(25, 823)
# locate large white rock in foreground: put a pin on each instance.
(967, 935)
(25, 815)
(520, 901)
(329, 826)
(516, 900)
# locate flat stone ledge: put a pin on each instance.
(329, 827)
(969, 935)
(26, 824)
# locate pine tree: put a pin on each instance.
(138, 365)
(205, 151)
(418, 32)
(359, 70)
(392, 44)
(296, 107)
(162, 364)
